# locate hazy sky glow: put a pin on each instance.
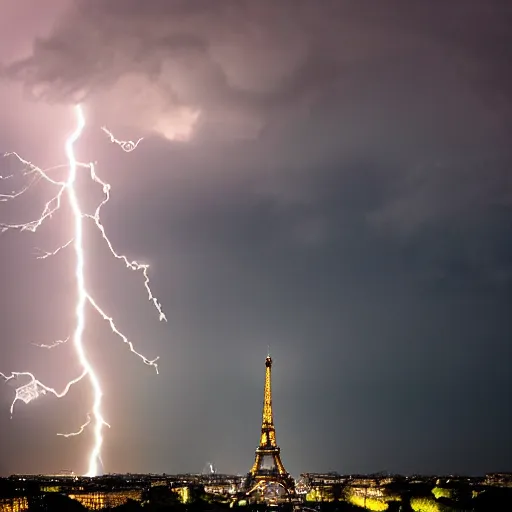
(329, 179)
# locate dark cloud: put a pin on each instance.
(244, 65)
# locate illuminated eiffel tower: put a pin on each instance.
(268, 468)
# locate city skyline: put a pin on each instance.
(330, 179)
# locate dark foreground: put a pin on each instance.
(322, 493)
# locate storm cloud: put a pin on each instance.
(243, 64)
(344, 81)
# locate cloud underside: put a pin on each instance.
(419, 93)
(240, 65)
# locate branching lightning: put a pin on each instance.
(126, 145)
(34, 388)
(54, 344)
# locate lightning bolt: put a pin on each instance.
(34, 388)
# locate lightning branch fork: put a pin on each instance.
(67, 190)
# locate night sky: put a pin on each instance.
(329, 178)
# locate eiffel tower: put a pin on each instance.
(268, 467)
